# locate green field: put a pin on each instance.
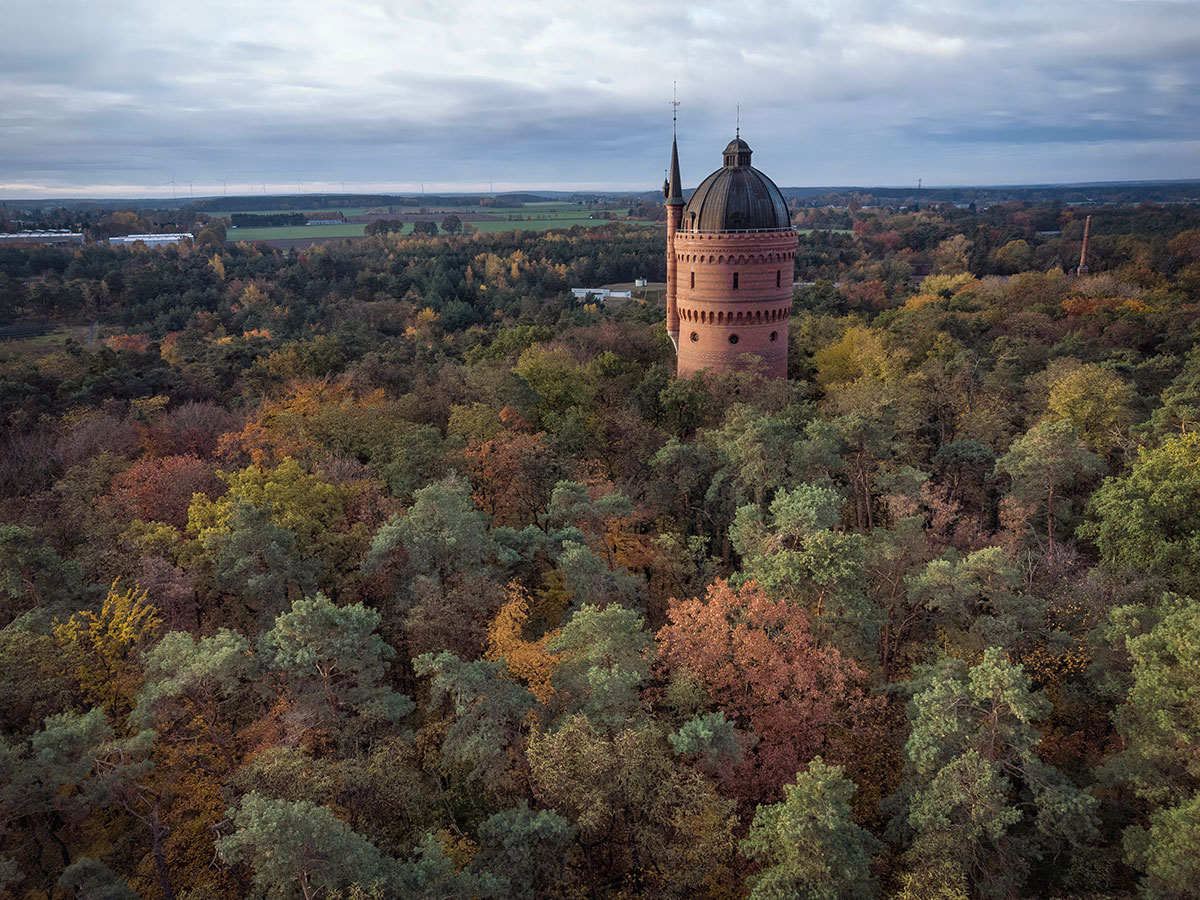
(344, 210)
(541, 210)
(531, 217)
(294, 231)
(543, 224)
(28, 350)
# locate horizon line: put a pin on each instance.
(35, 193)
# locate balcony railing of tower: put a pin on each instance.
(686, 230)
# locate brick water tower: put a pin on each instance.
(731, 253)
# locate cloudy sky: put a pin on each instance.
(119, 97)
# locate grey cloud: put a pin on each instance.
(846, 92)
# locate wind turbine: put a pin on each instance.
(172, 184)
(190, 194)
(224, 187)
(299, 187)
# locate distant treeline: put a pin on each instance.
(266, 220)
(1141, 192)
(1098, 194)
(341, 201)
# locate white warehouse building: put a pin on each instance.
(151, 240)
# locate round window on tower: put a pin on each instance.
(695, 337)
(774, 336)
(733, 339)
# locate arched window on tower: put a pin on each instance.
(735, 281)
(778, 276)
(693, 279)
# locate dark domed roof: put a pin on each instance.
(736, 197)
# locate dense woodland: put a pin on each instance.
(386, 569)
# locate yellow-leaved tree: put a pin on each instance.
(528, 661)
(101, 647)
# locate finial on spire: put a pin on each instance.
(738, 131)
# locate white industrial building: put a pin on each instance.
(599, 293)
(151, 240)
(56, 236)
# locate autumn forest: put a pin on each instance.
(387, 569)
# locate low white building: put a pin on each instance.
(151, 240)
(599, 293)
(55, 236)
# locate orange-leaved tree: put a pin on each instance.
(513, 473)
(760, 664)
(161, 490)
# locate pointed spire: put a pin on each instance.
(672, 187)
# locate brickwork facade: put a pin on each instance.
(729, 290)
(734, 296)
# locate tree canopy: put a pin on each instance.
(388, 568)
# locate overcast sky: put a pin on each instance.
(119, 97)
